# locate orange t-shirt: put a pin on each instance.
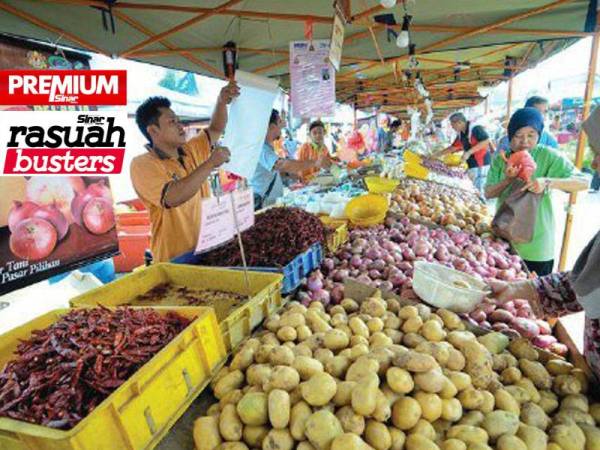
(310, 152)
(174, 230)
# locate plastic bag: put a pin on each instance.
(515, 218)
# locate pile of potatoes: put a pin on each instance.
(379, 375)
(443, 205)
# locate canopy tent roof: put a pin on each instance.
(183, 35)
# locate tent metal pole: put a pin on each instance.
(509, 97)
(587, 104)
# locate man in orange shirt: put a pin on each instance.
(315, 149)
(171, 178)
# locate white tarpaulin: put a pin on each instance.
(248, 119)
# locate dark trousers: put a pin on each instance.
(595, 185)
(540, 267)
(595, 182)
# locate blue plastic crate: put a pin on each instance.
(293, 272)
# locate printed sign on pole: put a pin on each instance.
(244, 208)
(217, 221)
(312, 79)
(337, 41)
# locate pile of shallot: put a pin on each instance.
(438, 166)
(383, 257)
(516, 319)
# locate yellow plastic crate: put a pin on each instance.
(378, 185)
(265, 293)
(142, 410)
(337, 238)
(410, 157)
(329, 221)
(416, 171)
(453, 159)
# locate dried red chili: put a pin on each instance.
(61, 373)
(278, 235)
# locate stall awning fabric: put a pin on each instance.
(189, 35)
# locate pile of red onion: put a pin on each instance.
(441, 168)
(516, 319)
(383, 257)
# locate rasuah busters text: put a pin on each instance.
(92, 144)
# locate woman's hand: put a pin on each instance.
(512, 171)
(504, 291)
(537, 186)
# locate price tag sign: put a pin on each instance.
(216, 223)
(217, 219)
(244, 208)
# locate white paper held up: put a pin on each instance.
(248, 119)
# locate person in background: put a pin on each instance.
(334, 137)
(314, 150)
(391, 136)
(267, 179)
(382, 135)
(554, 171)
(546, 139)
(439, 132)
(290, 144)
(595, 186)
(561, 293)
(172, 177)
(278, 145)
(370, 135)
(555, 124)
(474, 142)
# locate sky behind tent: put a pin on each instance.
(550, 78)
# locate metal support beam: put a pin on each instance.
(188, 23)
(587, 104)
(509, 97)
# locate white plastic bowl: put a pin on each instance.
(447, 288)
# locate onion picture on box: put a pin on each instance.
(49, 224)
